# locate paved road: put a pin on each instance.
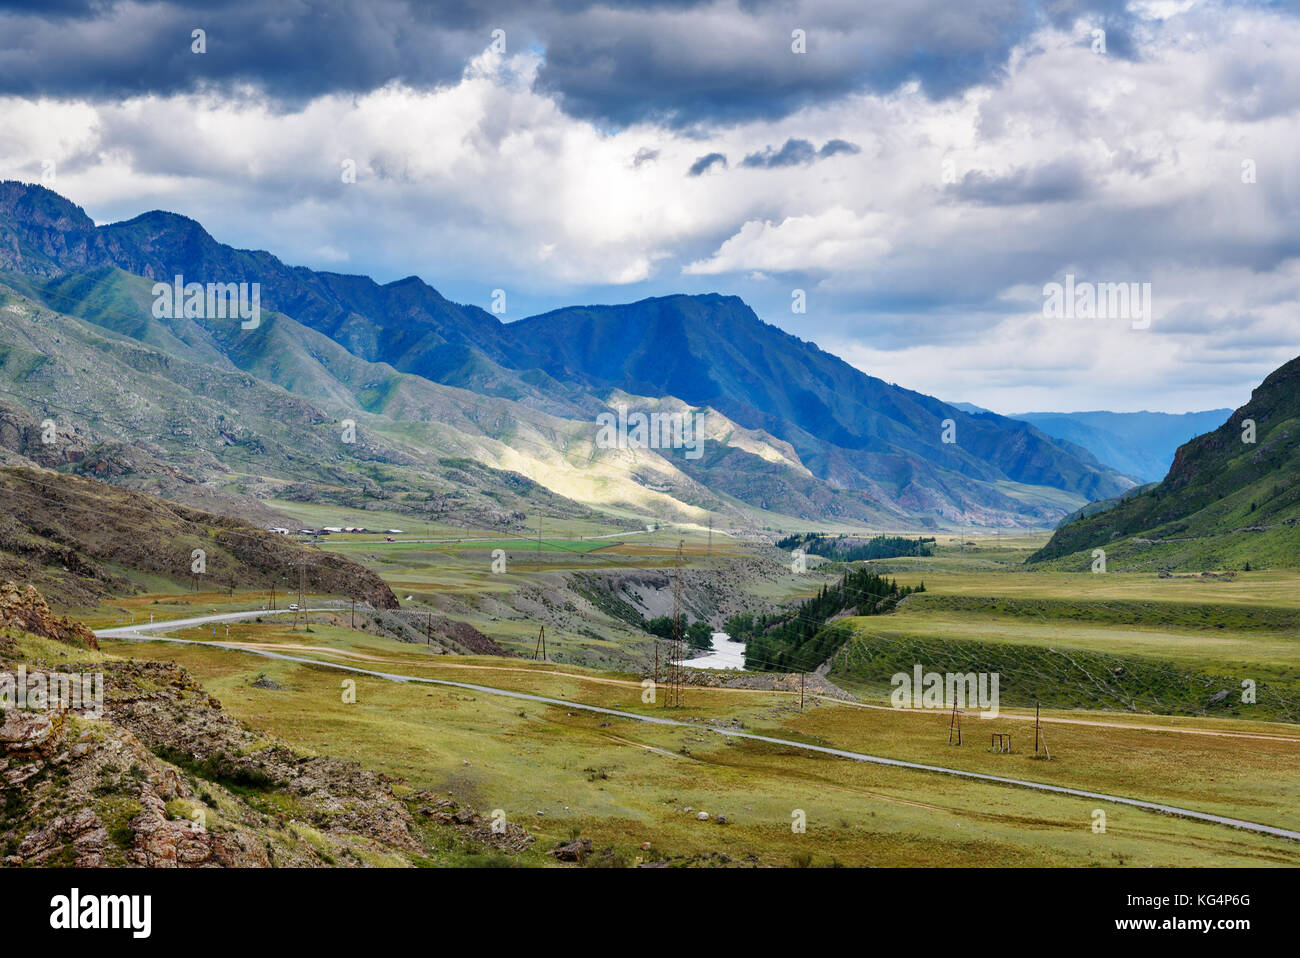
(170, 625)
(505, 536)
(148, 633)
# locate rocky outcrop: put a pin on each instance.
(27, 610)
(71, 792)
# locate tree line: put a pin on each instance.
(855, 549)
(798, 641)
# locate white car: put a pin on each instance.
(293, 607)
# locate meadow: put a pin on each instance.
(564, 772)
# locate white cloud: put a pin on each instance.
(835, 240)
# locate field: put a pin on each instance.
(622, 783)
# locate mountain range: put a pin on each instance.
(458, 412)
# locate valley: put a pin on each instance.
(371, 585)
(566, 775)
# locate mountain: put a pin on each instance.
(850, 429)
(1226, 502)
(1138, 444)
(791, 430)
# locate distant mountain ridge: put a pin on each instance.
(875, 452)
(1138, 444)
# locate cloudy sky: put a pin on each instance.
(920, 170)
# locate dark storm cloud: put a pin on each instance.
(679, 61)
(700, 66)
(1051, 183)
(796, 153)
(289, 50)
(705, 162)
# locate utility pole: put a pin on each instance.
(1039, 734)
(352, 622)
(428, 629)
(540, 647)
(675, 651)
(801, 677)
(954, 725)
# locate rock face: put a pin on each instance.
(70, 788)
(26, 609)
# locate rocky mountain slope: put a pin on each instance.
(80, 540)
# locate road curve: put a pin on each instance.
(142, 634)
(143, 629)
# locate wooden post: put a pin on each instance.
(1039, 734)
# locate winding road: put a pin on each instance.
(150, 632)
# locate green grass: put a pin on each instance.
(525, 757)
